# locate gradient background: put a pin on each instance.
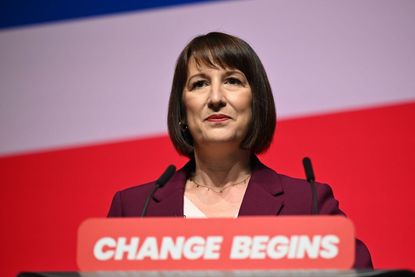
(84, 87)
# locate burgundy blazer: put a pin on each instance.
(268, 193)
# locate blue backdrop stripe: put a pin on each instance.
(14, 13)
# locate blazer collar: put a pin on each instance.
(264, 194)
(170, 198)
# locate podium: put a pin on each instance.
(258, 273)
(245, 243)
(245, 246)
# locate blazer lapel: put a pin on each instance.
(168, 201)
(264, 194)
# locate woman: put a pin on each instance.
(221, 114)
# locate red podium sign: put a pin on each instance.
(295, 242)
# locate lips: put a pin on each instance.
(217, 118)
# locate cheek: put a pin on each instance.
(243, 103)
(244, 106)
(192, 107)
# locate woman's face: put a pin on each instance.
(218, 104)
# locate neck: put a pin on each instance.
(219, 168)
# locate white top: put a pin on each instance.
(190, 210)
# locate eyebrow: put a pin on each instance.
(227, 73)
(235, 71)
(203, 75)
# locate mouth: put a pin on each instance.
(217, 118)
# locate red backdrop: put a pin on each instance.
(366, 156)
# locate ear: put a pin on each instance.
(183, 126)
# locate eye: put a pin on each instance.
(198, 84)
(233, 81)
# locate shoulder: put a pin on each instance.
(297, 199)
(297, 193)
(128, 202)
(301, 187)
(137, 191)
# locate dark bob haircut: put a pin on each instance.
(228, 52)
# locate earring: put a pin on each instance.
(183, 126)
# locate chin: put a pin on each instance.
(220, 136)
(222, 139)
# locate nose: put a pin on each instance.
(216, 97)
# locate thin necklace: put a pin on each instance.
(223, 188)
